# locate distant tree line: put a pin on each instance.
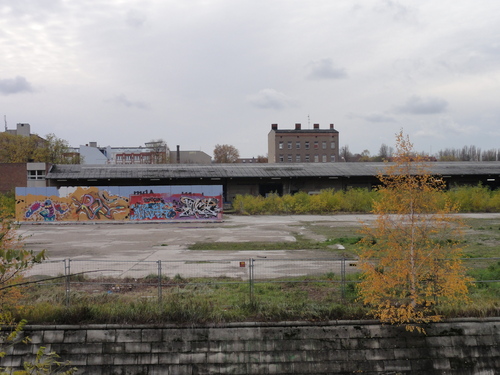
(466, 153)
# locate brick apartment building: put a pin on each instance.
(303, 145)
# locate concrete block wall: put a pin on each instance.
(466, 346)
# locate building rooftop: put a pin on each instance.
(340, 169)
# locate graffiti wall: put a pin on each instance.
(122, 203)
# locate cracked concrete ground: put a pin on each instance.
(127, 249)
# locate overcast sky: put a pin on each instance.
(201, 73)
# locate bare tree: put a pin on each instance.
(226, 154)
(262, 159)
(385, 152)
(490, 155)
(345, 154)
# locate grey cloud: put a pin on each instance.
(124, 101)
(270, 98)
(324, 69)
(16, 85)
(416, 105)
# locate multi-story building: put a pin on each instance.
(303, 145)
(152, 153)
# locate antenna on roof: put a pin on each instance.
(308, 121)
(5, 120)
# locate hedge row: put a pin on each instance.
(469, 199)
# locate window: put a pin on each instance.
(297, 158)
(316, 158)
(307, 145)
(323, 145)
(289, 158)
(316, 145)
(280, 145)
(332, 145)
(282, 158)
(36, 175)
(289, 145)
(297, 145)
(332, 158)
(324, 159)
(307, 158)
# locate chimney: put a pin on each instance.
(178, 154)
(274, 126)
(331, 126)
(297, 126)
(316, 126)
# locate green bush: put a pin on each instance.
(471, 198)
(360, 200)
(7, 205)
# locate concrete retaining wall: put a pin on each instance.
(466, 346)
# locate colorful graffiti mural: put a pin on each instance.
(122, 203)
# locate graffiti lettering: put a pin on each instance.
(48, 210)
(153, 200)
(151, 211)
(206, 207)
(95, 207)
(139, 192)
(92, 203)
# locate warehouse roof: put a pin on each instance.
(137, 171)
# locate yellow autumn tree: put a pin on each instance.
(411, 253)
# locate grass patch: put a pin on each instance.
(482, 238)
(193, 300)
(301, 243)
(203, 300)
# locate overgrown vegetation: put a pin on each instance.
(203, 300)
(188, 300)
(357, 200)
(7, 205)
(14, 260)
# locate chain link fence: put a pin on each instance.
(149, 279)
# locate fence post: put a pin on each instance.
(159, 281)
(250, 278)
(67, 273)
(342, 275)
